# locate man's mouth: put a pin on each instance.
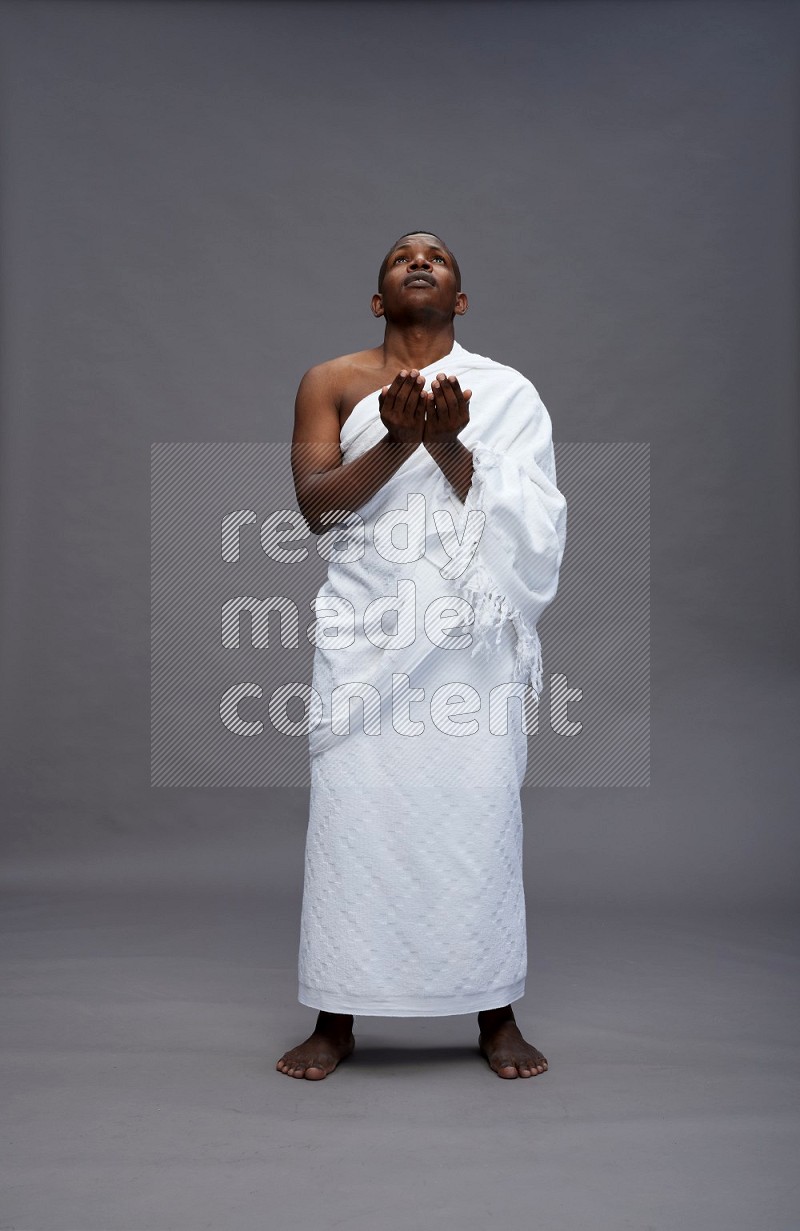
(420, 280)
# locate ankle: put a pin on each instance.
(490, 1019)
(334, 1023)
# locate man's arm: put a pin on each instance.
(447, 415)
(322, 484)
(454, 460)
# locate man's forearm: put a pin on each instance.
(345, 488)
(454, 460)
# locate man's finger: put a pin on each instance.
(416, 403)
(403, 389)
(408, 401)
(459, 392)
(460, 395)
(466, 394)
(393, 397)
(445, 395)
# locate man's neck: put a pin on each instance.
(415, 346)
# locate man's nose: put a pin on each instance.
(420, 261)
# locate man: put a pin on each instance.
(413, 902)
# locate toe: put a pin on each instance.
(506, 1068)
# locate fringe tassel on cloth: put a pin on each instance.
(491, 606)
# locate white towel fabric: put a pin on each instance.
(413, 902)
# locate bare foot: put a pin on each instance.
(508, 1054)
(319, 1055)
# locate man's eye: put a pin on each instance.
(400, 258)
(440, 258)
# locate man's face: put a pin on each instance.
(421, 280)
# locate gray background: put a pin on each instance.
(195, 200)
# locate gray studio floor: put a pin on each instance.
(141, 1028)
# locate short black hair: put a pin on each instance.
(405, 235)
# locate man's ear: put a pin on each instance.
(462, 303)
(377, 305)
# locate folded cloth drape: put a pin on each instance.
(413, 901)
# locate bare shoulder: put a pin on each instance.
(329, 390)
(335, 375)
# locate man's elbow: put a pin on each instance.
(312, 518)
(317, 519)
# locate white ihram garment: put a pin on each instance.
(413, 901)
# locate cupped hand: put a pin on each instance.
(446, 410)
(402, 407)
